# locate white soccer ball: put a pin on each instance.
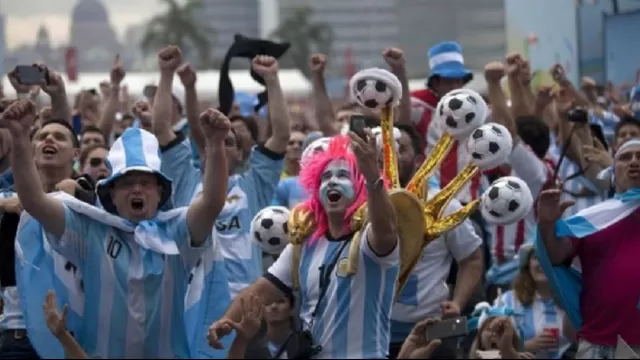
(508, 200)
(269, 229)
(461, 111)
(490, 146)
(318, 145)
(372, 93)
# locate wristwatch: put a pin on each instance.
(375, 185)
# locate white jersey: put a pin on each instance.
(426, 287)
(354, 316)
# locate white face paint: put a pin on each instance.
(336, 186)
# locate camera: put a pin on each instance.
(578, 115)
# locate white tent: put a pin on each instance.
(294, 84)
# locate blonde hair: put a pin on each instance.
(524, 287)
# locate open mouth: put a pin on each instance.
(333, 196)
(49, 150)
(634, 172)
(137, 204)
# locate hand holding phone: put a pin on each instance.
(30, 75)
(357, 125)
(448, 328)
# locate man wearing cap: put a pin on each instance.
(135, 260)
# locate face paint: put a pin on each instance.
(335, 182)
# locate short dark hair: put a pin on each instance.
(64, 123)
(93, 129)
(416, 141)
(250, 123)
(85, 154)
(535, 133)
(627, 120)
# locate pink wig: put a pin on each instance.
(310, 175)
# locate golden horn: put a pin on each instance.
(450, 221)
(435, 207)
(390, 164)
(417, 185)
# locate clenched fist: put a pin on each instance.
(215, 126)
(187, 75)
(117, 71)
(266, 66)
(318, 63)
(19, 118)
(394, 57)
(169, 59)
(494, 72)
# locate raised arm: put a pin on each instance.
(169, 59)
(493, 73)
(187, 75)
(383, 233)
(396, 61)
(108, 113)
(267, 67)
(205, 209)
(19, 118)
(56, 90)
(325, 116)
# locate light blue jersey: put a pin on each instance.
(353, 319)
(578, 188)
(118, 321)
(289, 193)
(248, 193)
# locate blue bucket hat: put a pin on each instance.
(135, 150)
(446, 61)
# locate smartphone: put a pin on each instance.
(578, 115)
(448, 328)
(30, 75)
(357, 124)
(596, 131)
(489, 354)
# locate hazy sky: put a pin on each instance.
(25, 16)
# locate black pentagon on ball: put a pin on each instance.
(495, 213)
(496, 129)
(285, 227)
(274, 241)
(277, 211)
(371, 103)
(477, 134)
(441, 110)
(472, 100)
(455, 104)
(494, 193)
(257, 236)
(477, 156)
(451, 122)
(469, 117)
(361, 84)
(494, 147)
(381, 86)
(513, 205)
(513, 184)
(266, 223)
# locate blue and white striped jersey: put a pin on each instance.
(577, 187)
(353, 319)
(248, 193)
(426, 287)
(135, 302)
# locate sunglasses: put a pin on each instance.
(95, 162)
(293, 142)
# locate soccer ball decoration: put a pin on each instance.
(490, 146)
(318, 145)
(375, 88)
(269, 229)
(461, 111)
(507, 201)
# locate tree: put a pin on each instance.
(177, 27)
(305, 37)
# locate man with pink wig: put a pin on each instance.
(344, 315)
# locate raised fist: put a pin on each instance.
(394, 57)
(266, 66)
(215, 126)
(187, 75)
(544, 97)
(19, 118)
(141, 110)
(46, 114)
(169, 58)
(494, 72)
(318, 63)
(117, 71)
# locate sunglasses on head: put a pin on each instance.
(95, 162)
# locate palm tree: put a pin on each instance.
(305, 37)
(177, 27)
